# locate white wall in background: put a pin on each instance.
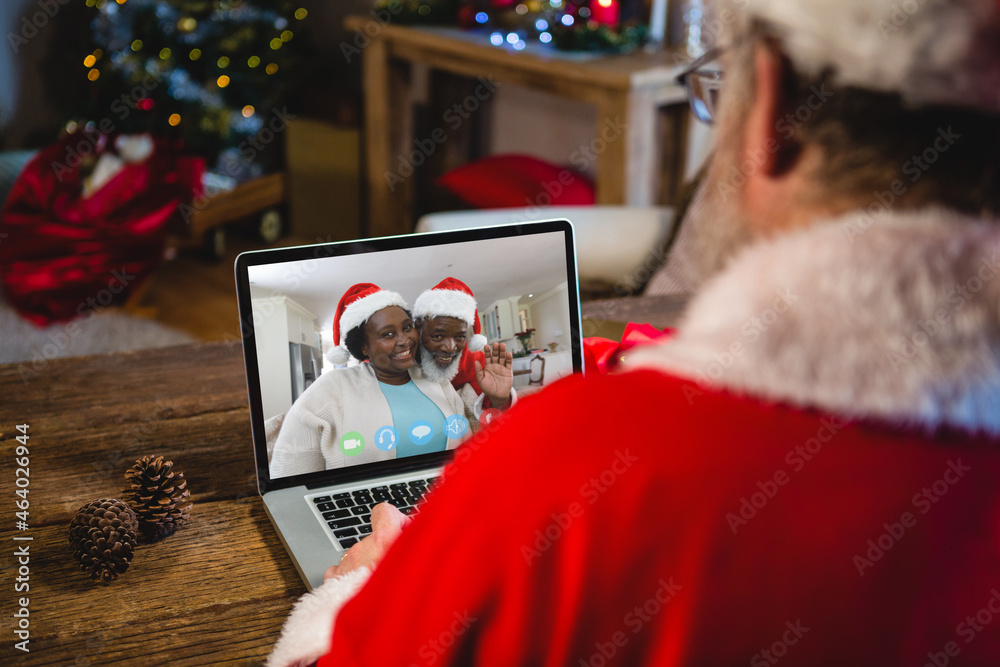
(546, 126)
(549, 315)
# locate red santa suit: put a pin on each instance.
(805, 472)
(466, 374)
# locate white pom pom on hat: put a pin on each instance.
(359, 302)
(477, 342)
(452, 298)
(930, 52)
(338, 355)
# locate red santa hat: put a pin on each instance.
(929, 51)
(359, 302)
(452, 298)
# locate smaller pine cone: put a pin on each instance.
(103, 536)
(158, 495)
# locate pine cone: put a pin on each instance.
(157, 495)
(103, 535)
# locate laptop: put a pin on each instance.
(523, 276)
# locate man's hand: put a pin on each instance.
(496, 376)
(387, 524)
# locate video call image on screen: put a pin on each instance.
(342, 415)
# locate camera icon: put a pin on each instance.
(352, 443)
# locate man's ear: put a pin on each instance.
(769, 137)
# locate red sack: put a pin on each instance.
(63, 254)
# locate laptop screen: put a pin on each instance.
(397, 389)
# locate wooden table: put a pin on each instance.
(627, 90)
(217, 591)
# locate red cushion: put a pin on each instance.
(507, 181)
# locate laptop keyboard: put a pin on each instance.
(349, 514)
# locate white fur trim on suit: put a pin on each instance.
(895, 318)
(305, 636)
(359, 311)
(447, 303)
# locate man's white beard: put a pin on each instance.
(712, 231)
(715, 228)
(435, 372)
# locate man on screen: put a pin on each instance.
(806, 471)
(445, 314)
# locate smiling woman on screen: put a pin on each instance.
(381, 409)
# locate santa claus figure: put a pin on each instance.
(805, 472)
(445, 316)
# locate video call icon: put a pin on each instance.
(352, 443)
(421, 432)
(386, 438)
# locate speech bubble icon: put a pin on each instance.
(421, 432)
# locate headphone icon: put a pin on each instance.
(382, 434)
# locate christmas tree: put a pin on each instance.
(212, 75)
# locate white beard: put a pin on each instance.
(716, 228)
(435, 372)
